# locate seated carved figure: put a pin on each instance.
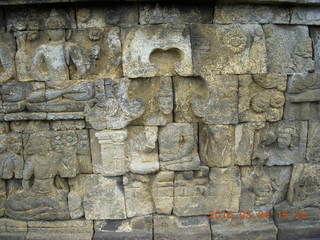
(57, 55)
(39, 199)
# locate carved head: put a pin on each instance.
(285, 134)
(56, 25)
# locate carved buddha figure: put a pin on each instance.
(57, 54)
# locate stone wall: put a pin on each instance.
(160, 121)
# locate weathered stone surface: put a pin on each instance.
(3, 197)
(185, 88)
(289, 49)
(13, 229)
(67, 125)
(305, 15)
(157, 94)
(112, 108)
(34, 18)
(60, 230)
(101, 197)
(313, 147)
(162, 192)
(11, 158)
(150, 51)
(315, 35)
(228, 49)
(297, 223)
(142, 149)
(7, 53)
(102, 53)
(137, 191)
(123, 14)
(196, 193)
(130, 229)
(226, 145)
(263, 187)
(220, 105)
(29, 126)
(244, 13)
(280, 143)
(181, 228)
(177, 154)
(175, 13)
(108, 149)
(304, 186)
(243, 228)
(261, 97)
(303, 97)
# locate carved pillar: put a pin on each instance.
(112, 152)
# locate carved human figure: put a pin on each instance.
(178, 149)
(11, 161)
(57, 54)
(112, 107)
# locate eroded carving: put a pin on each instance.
(261, 97)
(162, 50)
(112, 108)
(303, 97)
(178, 147)
(7, 52)
(281, 143)
(158, 99)
(241, 49)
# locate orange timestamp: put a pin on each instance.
(246, 214)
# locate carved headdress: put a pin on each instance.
(55, 21)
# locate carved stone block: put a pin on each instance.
(12, 229)
(34, 18)
(261, 97)
(162, 192)
(3, 197)
(135, 228)
(112, 108)
(303, 97)
(51, 153)
(142, 149)
(297, 223)
(178, 147)
(228, 49)
(150, 51)
(60, 230)
(11, 157)
(243, 228)
(67, 125)
(305, 15)
(289, 49)
(263, 187)
(108, 149)
(124, 14)
(226, 145)
(99, 197)
(220, 104)
(181, 228)
(101, 52)
(151, 13)
(185, 88)
(304, 186)
(244, 13)
(280, 143)
(7, 53)
(313, 147)
(196, 193)
(137, 190)
(29, 126)
(157, 93)
(315, 35)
